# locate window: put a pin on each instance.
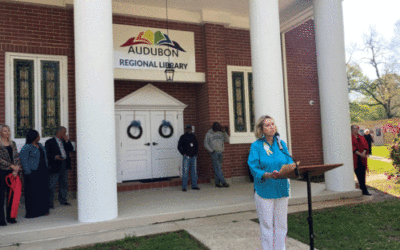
(241, 105)
(36, 94)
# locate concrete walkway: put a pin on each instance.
(380, 158)
(221, 218)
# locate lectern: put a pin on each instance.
(306, 172)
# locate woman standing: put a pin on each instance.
(271, 194)
(9, 163)
(36, 176)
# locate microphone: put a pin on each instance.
(278, 140)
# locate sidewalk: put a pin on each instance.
(380, 158)
(221, 218)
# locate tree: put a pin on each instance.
(384, 91)
(360, 111)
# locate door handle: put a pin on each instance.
(147, 144)
(155, 143)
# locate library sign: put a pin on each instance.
(149, 48)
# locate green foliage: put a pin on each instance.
(360, 112)
(356, 79)
(384, 91)
(364, 226)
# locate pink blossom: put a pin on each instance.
(389, 177)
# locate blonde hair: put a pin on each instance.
(5, 126)
(258, 127)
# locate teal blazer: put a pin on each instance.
(260, 162)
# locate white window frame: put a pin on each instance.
(249, 137)
(239, 137)
(9, 91)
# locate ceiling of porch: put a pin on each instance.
(231, 13)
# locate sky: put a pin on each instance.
(358, 15)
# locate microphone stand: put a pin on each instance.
(307, 176)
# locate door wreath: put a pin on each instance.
(165, 124)
(135, 124)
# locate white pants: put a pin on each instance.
(272, 214)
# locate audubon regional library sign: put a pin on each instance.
(149, 48)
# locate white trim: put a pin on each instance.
(296, 20)
(235, 137)
(286, 91)
(9, 91)
(149, 97)
(152, 75)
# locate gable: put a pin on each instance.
(149, 97)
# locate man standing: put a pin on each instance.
(58, 149)
(360, 155)
(370, 140)
(188, 148)
(214, 144)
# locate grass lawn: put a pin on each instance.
(180, 240)
(387, 186)
(363, 226)
(379, 167)
(380, 151)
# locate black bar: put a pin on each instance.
(309, 218)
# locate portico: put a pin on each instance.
(251, 58)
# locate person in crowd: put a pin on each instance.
(214, 144)
(360, 155)
(36, 176)
(9, 163)
(271, 194)
(58, 154)
(370, 139)
(188, 148)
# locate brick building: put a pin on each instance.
(233, 63)
(380, 135)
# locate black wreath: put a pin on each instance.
(137, 125)
(168, 125)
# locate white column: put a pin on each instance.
(334, 101)
(266, 59)
(97, 181)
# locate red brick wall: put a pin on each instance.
(302, 79)
(36, 29)
(238, 50)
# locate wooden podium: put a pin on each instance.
(306, 172)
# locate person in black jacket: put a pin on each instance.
(188, 148)
(58, 149)
(370, 140)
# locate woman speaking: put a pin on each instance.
(271, 194)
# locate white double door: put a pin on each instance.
(151, 155)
